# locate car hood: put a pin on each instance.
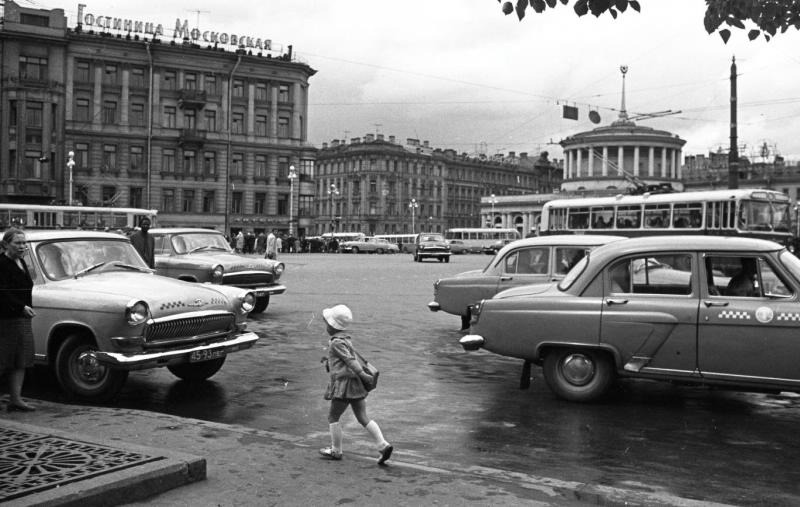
(231, 262)
(528, 290)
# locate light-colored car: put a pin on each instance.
(457, 247)
(203, 255)
(101, 312)
(522, 262)
(709, 310)
(431, 245)
(369, 245)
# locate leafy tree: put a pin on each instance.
(768, 16)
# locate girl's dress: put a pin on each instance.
(344, 368)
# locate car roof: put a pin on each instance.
(563, 240)
(55, 234)
(181, 230)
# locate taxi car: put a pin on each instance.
(369, 245)
(431, 245)
(708, 310)
(203, 255)
(101, 312)
(522, 262)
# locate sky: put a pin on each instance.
(461, 75)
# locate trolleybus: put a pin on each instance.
(38, 216)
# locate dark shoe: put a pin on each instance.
(21, 407)
(330, 453)
(386, 453)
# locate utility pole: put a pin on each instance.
(733, 155)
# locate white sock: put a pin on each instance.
(336, 436)
(375, 431)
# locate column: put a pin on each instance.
(605, 161)
(591, 161)
(620, 161)
(297, 95)
(664, 162)
(679, 173)
(125, 99)
(651, 164)
(578, 163)
(251, 109)
(154, 108)
(69, 90)
(97, 98)
(674, 168)
(636, 161)
(273, 109)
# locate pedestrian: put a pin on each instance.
(144, 243)
(278, 245)
(16, 312)
(261, 243)
(271, 245)
(239, 242)
(346, 387)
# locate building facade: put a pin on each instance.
(382, 186)
(206, 135)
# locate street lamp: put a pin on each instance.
(292, 176)
(70, 165)
(413, 205)
(332, 192)
(493, 200)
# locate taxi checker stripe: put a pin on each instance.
(731, 314)
(789, 316)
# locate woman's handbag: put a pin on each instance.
(371, 369)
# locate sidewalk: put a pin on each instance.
(163, 460)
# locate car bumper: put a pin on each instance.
(434, 306)
(267, 291)
(472, 342)
(146, 360)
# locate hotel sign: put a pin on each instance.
(182, 30)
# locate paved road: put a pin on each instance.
(439, 404)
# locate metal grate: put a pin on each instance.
(30, 462)
(192, 326)
(249, 279)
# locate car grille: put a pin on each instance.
(189, 327)
(248, 279)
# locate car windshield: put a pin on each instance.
(791, 262)
(197, 242)
(431, 237)
(65, 259)
(574, 273)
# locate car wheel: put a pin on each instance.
(447, 259)
(416, 258)
(195, 372)
(578, 375)
(261, 304)
(81, 375)
(379, 251)
(355, 250)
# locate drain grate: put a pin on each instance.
(30, 462)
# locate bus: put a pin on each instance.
(37, 216)
(487, 240)
(404, 241)
(756, 213)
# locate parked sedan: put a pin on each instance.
(203, 255)
(369, 245)
(522, 262)
(101, 312)
(705, 310)
(457, 247)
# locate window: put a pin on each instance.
(669, 274)
(238, 88)
(109, 157)
(108, 194)
(190, 81)
(12, 113)
(210, 84)
(283, 167)
(236, 202)
(169, 79)
(567, 257)
(168, 161)
(169, 117)
(283, 204)
(211, 121)
(109, 112)
(168, 200)
(190, 119)
(237, 123)
(283, 127)
(261, 166)
(34, 19)
(137, 79)
(111, 75)
(31, 165)
(136, 197)
(189, 162)
(82, 110)
(260, 203)
(137, 114)
(33, 114)
(208, 201)
(82, 155)
(136, 163)
(283, 93)
(188, 201)
(82, 72)
(237, 164)
(261, 125)
(32, 68)
(210, 163)
(261, 92)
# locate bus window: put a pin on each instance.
(578, 218)
(629, 217)
(603, 217)
(688, 215)
(656, 216)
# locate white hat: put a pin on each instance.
(338, 317)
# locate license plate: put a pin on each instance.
(261, 293)
(197, 356)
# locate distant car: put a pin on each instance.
(708, 310)
(457, 247)
(431, 245)
(203, 255)
(101, 312)
(369, 245)
(522, 262)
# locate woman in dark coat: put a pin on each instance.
(16, 312)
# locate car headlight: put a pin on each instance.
(248, 302)
(136, 312)
(475, 311)
(216, 273)
(278, 270)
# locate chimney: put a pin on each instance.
(368, 138)
(355, 140)
(334, 143)
(391, 139)
(412, 142)
(380, 137)
(523, 155)
(324, 146)
(512, 154)
(425, 144)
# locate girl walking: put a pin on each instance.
(346, 388)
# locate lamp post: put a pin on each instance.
(493, 200)
(70, 165)
(413, 205)
(292, 176)
(332, 192)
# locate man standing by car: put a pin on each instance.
(272, 252)
(144, 242)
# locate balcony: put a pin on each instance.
(191, 99)
(191, 138)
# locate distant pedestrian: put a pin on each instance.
(144, 243)
(16, 312)
(239, 242)
(261, 243)
(346, 387)
(272, 252)
(278, 245)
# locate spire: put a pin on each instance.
(623, 113)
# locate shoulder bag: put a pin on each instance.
(369, 368)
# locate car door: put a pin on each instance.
(650, 310)
(753, 337)
(164, 259)
(524, 266)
